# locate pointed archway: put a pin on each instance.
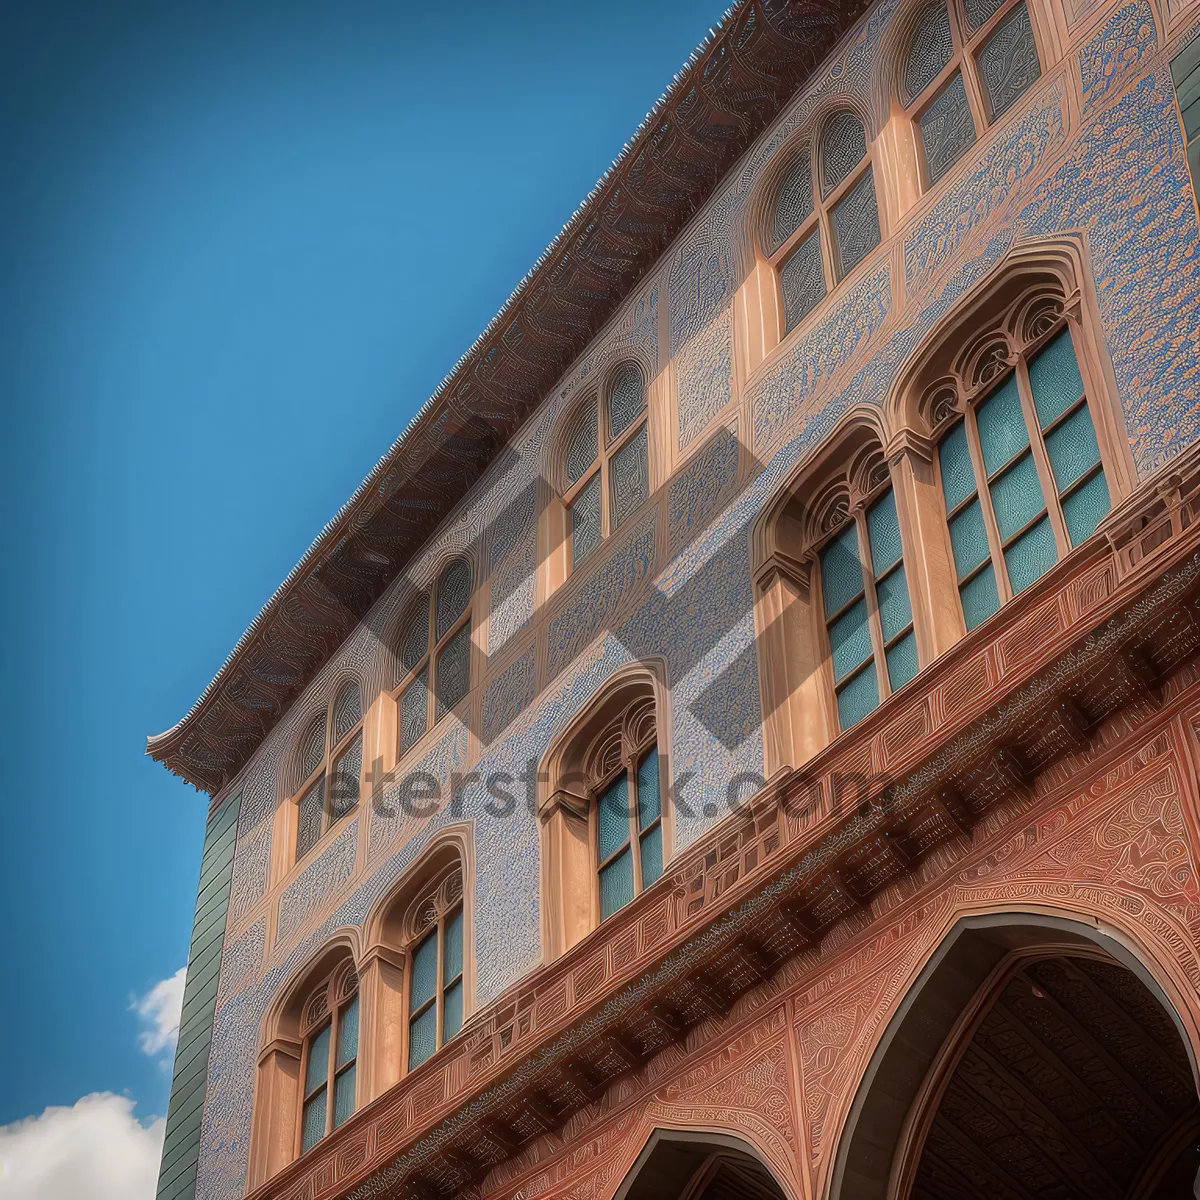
(693, 1165)
(1034, 1059)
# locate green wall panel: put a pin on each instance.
(181, 1148)
(1185, 70)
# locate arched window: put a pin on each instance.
(825, 218)
(607, 461)
(328, 768)
(435, 992)
(1019, 462)
(602, 810)
(968, 62)
(329, 1059)
(838, 633)
(433, 655)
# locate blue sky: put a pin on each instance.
(241, 244)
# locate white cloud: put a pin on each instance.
(159, 1010)
(94, 1150)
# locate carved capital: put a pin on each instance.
(910, 443)
(573, 802)
(780, 565)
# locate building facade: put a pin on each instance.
(743, 737)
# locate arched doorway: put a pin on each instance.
(685, 1165)
(1035, 1059)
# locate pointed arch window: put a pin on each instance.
(627, 821)
(329, 768)
(1019, 462)
(433, 655)
(968, 62)
(825, 219)
(329, 1059)
(607, 461)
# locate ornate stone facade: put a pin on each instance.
(1043, 765)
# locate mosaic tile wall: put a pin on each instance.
(1095, 152)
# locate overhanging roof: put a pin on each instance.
(731, 87)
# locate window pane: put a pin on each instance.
(1054, 378)
(978, 11)
(343, 794)
(452, 1011)
(582, 448)
(1072, 448)
(613, 817)
(424, 972)
(314, 1122)
(312, 748)
(649, 801)
(841, 572)
(317, 1071)
(850, 641)
(958, 475)
(347, 711)
(414, 712)
(1031, 556)
(585, 521)
(1009, 61)
(947, 128)
(312, 818)
(626, 398)
(651, 856)
(348, 1034)
(343, 1095)
(895, 611)
(452, 952)
(843, 147)
(453, 595)
(979, 597)
(454, 670)
(1002, 430)
(416, 637)
(616, 885)
(1017, 497)
(629, 480)
(968, 539)
(859, 697)
(1083, 509)
(883, 533)
(856, 224)
(929, 51)
(802, 280)
(422, 1037)
(794, 202)
(902, 661)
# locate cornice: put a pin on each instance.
(732, 86)
(1006, 717)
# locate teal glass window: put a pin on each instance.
(629, 836)
(330, 1057)
(1005, 533)
(435, 988)
(867, 611)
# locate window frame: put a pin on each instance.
(880, 646)
(821, 217)
(965, 411)
(634, 751)
(430, 661)
(607, 448)
(447, 912)
(325, 770)
(337, 1001)
(966, 49)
